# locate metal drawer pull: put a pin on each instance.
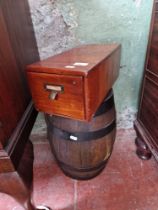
(53, 95)
(54, 90)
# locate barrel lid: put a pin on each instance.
(77, 61)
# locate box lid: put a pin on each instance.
(77, 61)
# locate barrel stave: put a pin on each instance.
(82, 159)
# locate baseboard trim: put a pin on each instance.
(20, 136)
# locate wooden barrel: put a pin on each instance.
(82, 149)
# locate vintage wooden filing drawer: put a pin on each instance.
(75, 82)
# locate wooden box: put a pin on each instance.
(74, 83)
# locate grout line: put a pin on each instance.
(75, 194)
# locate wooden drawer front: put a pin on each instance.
(149, 108)
(68, 103)
(153, 54)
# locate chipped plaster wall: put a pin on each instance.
(61, 24)
(54, 22)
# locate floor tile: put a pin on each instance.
(127, 183)
(8, 203)
(51, 186)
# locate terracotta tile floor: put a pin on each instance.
(127, 183)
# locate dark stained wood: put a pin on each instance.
(18, 48)
(10, 156)
(142, 149)
(156, 7)
(153, 54)
(6, 166)
(19, 137)
(22, 38)
(18, 183)
(12, 98)
(82, 159)
(98, 77)
(147, 119)
(149, 108)
(17, 114)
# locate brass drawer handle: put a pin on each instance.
(54, 90)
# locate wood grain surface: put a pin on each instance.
(146, 125)
(97, 69)
(83, 158)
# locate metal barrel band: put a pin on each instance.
(107, 104)
(84, 136)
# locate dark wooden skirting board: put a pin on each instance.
(16, 161)
(18, 48)
(20, 136)
(18, 183)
